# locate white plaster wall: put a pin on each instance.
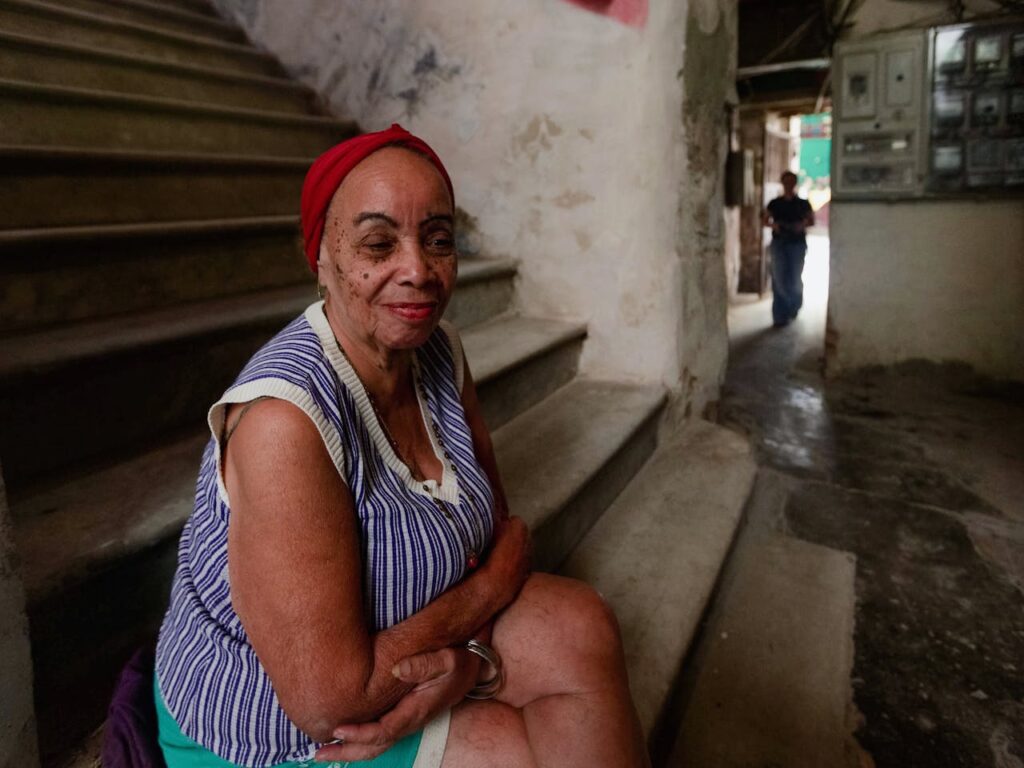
(18, 747)
(564, 133)
(881, 15)
(941, 281)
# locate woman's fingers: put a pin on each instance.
(360, 741)
(425, 667)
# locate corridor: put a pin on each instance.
(918, 471)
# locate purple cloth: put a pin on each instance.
(130, 737)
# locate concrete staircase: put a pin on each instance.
(150, 245)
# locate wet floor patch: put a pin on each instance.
(919, 471)
(939, 634)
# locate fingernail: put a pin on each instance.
(396, 671)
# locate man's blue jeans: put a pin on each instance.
(787, 279)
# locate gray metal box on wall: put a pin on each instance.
(878, 126)
(935, 112)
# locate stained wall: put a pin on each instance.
(588, 144)
(938, 280)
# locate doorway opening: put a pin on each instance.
(780, 142)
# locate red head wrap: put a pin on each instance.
(331, 168)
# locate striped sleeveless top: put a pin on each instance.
(211, 681)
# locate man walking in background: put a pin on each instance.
(789, 216)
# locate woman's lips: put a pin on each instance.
(413, 310)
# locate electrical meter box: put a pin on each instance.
(976, 114)
(879, 102)
(935, 112)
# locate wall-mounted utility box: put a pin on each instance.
(932, 112)
(878, 97)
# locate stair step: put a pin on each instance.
(164, 17)
(39, 60)
(657, 551)
(113, 386)
(81, 274)
(101, 186)
(564, 460)
(59, 116)
(196, 6)
(131, 364)
(484, 290)
(518, 361)
(771, 676)
(54, 22)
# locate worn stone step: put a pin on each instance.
(518, 361)
(46, 115)
(161, 16)
(769, 683)
(40, 60)
(484, 290)
(564, 460)
(77, 394)
(127, 365)
(92, 187)
(78, 274)
(196, 6)
(657, 552)
(55, 22)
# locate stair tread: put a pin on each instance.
(175, 12)
(17, 237)
(84, 523)
(772, 672)
(495, 346)
(82, 340)
(244, 49)
(657, 551)
(64, 92)
(550, 451)
(135, 157)
(126, 57)
(79, 341)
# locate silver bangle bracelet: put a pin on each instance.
(489, 688)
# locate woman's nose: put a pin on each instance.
(414, 266)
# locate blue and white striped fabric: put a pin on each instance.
(210, 678)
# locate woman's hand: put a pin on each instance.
(442, 679)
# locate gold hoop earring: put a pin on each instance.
(321, 292)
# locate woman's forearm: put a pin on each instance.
(450, 620)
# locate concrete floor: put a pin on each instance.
(919, 472)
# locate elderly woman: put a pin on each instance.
(350, 586)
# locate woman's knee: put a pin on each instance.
(579, 616)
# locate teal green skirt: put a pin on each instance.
(182, 752)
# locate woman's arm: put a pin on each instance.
(482, 443)
(296, 578)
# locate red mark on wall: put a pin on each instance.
(630, 12)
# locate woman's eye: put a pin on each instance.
(441, 243)
(379, 246)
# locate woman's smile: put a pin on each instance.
(420, 311)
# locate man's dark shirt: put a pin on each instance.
(788, 215)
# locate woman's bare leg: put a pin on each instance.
(565, 670)
(487, 733)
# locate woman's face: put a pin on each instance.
(387, 257)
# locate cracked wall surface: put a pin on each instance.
(572, 143)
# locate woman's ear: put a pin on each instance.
(321, 259)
